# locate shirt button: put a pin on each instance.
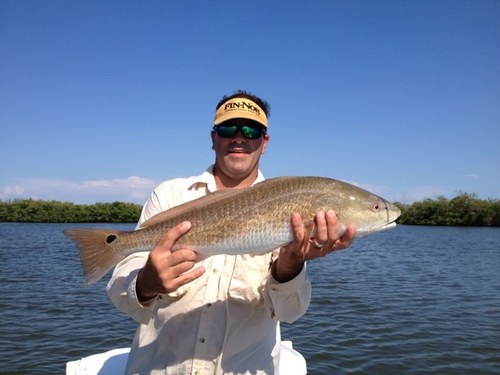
(215, 270)
(202, 340)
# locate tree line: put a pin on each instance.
(463, 210)
(39, 211)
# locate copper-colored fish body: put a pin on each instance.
(239, 221)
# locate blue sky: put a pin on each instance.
(103, 100)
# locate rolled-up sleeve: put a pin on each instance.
(121, 288)
(290, 300)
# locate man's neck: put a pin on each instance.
(223, 181)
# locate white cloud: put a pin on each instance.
(12, 190)
(419, 193)
(471, 176)
(131, 189)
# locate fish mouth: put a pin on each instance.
(386, 226)
(393, 212)
(361, 232)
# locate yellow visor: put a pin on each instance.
(240, 108)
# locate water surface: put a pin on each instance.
(412, 300)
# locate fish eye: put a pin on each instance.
(376, 207)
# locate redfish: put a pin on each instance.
(251, 220)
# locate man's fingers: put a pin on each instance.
(347, 237)
(180, 263)
(297, 228)
(165, 271)
(187, 277)
(170, 237)
(328, 235)
(326, 228)
(171, 284)
(182, 255)
(320, 233)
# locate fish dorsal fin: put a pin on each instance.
(211, 198)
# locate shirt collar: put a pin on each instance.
(207, 178)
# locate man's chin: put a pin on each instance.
(238, 164)
(237, 157)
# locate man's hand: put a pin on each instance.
(309, 244)
(165, 271)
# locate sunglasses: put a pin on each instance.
(248, 131)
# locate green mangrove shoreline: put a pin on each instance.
(39, 211)
(462, 210)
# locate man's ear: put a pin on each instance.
(212, 135)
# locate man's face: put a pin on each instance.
(238, 156)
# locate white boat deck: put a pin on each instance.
(114, 361)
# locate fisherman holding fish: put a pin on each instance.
(218, 260)
(219, 314)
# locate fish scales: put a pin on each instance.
(239, 221)
(264, 211)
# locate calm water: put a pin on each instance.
(409, 301)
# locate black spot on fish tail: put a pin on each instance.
(96, 254)
(110, 238)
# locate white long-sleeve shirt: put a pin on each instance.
(225, 322)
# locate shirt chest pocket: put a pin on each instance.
(249, 278)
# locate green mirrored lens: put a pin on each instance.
(249, 132)
(227, 131)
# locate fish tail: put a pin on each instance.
(96, 253)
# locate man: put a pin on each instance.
(221, 314)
